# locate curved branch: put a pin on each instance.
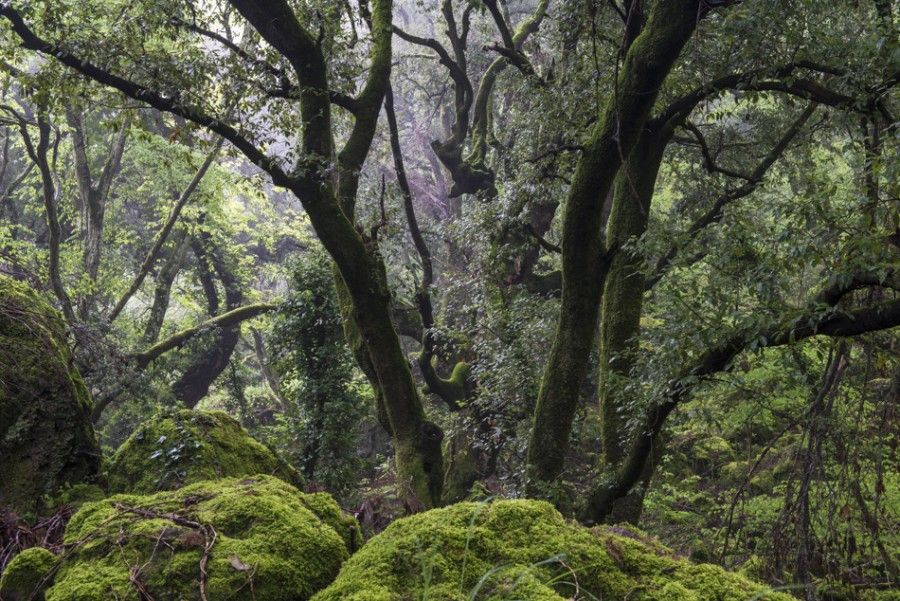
(715, 212)
(38, 153)
(225, 320)
(367, 106)
(708, 159)
(777, 82)
(513, 54)
(454, 389)
(500, 22)
(136, 91)
(278, 25)
(461, 83)
(718, 358)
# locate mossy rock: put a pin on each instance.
(525, 550)
(46, 436)
(27, 575)
(177, 448)
(256, 538)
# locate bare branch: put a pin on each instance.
(163, 234)
(715, 212)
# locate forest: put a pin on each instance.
(449, 300)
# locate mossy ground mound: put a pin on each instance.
(46, 437)
(255, 538)
(27, 575)
(182, 447)
(525, 550)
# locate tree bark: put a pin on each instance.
(456, 388)
(38, 153)
(265, 366)
(94, 197)
(206, 365)
(225, 320)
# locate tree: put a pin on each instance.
(323, 407)
(328, 203)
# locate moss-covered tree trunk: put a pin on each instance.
(207, 365)
(330, 204)
(585, 255)
(620, 313)
(162, 290)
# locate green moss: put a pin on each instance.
(328, 511)
(75, 496)
(46, 437)
(265, 539)
(525, 550)
(27, 575)
(186, 446)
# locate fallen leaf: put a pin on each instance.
(237, 564)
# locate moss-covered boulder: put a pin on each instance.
(236, 538)
(46, 437)
(525, 550)
(27, 575)
(177, 448)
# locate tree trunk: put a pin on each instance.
(620, 314)
(163, 289)
(265, 366)
(94, 196)
(417, 441)
(38, 153)
(585, 257)
(194, 383)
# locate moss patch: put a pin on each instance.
(27, 575)
(46, 437)
(182, 447)
(258, 538)
(525, 550)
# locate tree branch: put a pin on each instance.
(719, 358)
(708, 159)
(225, 320)
(142, 94)
(805, 88)
(163, 234)
(454, 389)
(715, 212)
(38, 154)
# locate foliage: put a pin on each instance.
(776, 180)
(323, 403)
(741, 502)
